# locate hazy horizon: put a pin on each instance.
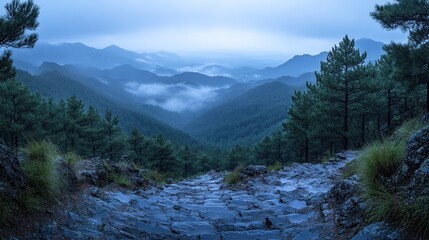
(272, 29)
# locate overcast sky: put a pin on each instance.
(257, 28)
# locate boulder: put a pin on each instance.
(412, 177)
(379, 231)
(253, 171)
(68, 175)
(348, 206)
(12, 178)
(342, 191)
(92, 171)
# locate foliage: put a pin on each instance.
(17, 31)
(404, 132)
(71, 158)
(246, 119)
(379, 161)
(234, 176)
(155, 176)
(410, 59)
(122, 180)
(277, 166)
(40, 168)
(239, 155)
(351, 168)
(376, 163)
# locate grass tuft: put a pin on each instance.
(234, 176)
(277, 166)
(155, 176)
(40, 168)
(376, 164)
(379, 161)
(71, 158)
(404, 132)
(351, 168)
(122, 180)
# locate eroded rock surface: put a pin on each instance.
(379, 231)
(413, 174)
(12, 178)
(274, 205)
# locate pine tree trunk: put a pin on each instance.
(306, 149)
(346, 116)
(405, 104)
(362, 137)
(389, 109)
(379, 126)
(427, 96)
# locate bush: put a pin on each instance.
(122, 180)
(40, 168)
(155, 176)
(351, 168)
(234, 176)
(71, 158)
(404, 132)
(379, 161)
(277, 166)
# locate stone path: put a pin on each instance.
(279, 205)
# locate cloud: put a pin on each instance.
(257, 27)
(208, 69)
(174, 97)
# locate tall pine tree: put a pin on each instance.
(341, 83)
(411, 59)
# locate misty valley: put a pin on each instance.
(233, 137)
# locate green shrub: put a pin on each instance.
(71, 158)
(122, 180)
(234, 176)
(40, 168)
(379, 161)
(351, 168)
(418, 220)
(277, 166)
(325, 158)
(155, 176)
(403, 133)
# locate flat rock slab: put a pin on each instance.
(253, 234)
(193, 228)
(275, 205)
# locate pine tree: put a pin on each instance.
(47, 114)
(341, 82)
(187, 160)
(263, 151)
(138, 144)
(161, 154)
(92, 131)
(74, 123)
(298, 125)
(114, 141)
(239, 155)
(18, 113)
(411, 60)
(17, 31)
(390, 89)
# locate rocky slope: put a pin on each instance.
(288, 204)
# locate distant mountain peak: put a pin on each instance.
(113, 46)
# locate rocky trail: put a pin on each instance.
(287, 204)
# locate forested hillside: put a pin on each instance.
(246, 118)
(54, 84)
